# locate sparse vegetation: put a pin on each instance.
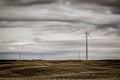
(60, 70)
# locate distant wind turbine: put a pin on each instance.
(78, 55)
(86, 35)
(19, 55)
(41, 56)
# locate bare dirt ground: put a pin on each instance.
(60, 70)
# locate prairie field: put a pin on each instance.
(60, 70)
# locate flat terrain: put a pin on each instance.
(60, 70)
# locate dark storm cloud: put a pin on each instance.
(41, 20)
(114, 26)
(102, 2)
(113, 4)
(116, 10)
(71, 20)
(25, 2)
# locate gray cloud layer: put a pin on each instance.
(114, 4)
(36, 25)
(111, 21)
(25, 2)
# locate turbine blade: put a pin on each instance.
(89, 35)
(84, 36)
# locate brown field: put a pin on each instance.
(60, 70)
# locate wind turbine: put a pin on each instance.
(19, 55)
(41, 56)
(78, 55)
(86, 35)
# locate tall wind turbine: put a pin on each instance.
(19, 55)
(78, 55)
(86, 35)
(41, 56)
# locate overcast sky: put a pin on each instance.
(58, 26)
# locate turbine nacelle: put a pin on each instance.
(87, 33)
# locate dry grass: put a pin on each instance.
(60, 70)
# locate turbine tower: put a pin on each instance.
(86, 35)
(19, 55)
(78, 55)
(41, 56)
